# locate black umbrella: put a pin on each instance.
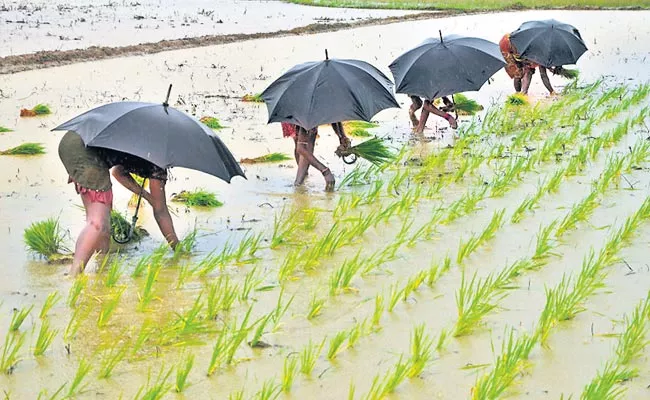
(333, 90)
(444, 66)
(549, 43)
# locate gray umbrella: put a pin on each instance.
(328, 91)
(549, 43)
(157, 133)
(444, 66)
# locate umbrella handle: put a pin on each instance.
(128, 237)
(352, 160)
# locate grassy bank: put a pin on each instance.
(474, 5)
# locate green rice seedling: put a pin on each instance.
(356, 332)
(256, 341)
(374, 193)
(251, 281)
(309, 356)
(253, 98)
(269, 391)
(544, 246)
(245, 252)
(9, 356)
(25, 149)
(76, 319)
(212, 122)
(373, 150)
(219, 351)
(108, 308)
(414, 283)
(442, 339)
(42, 109)
(197, 198)
(436, 270)
(50, 302)
(238, 336)
(45, 238)
(517, 99)
(579, 212)
(221, 296)
(267, 158)
(280, 309)
(639, 154)
(191, 322)
(289, 265)
(184, 273)
(183, 369)
(186, 245)
(315, 306)
(311, 220)
(421, 351)
(289, 371)
(633, 340)
(238, 395)
(526, 205)
(503, 183)
(335, 344)
(110, 358)
(358, 132)
(350, 125)
(114, 273)
(45, 337)
(157, 389)
(604, 386)
(493, 226)
(121, 227)
(147, 292)
(467, 247)
(466, 106)
(341, 277)
(43, 393)
(378, 311)
(76, 386)
(141, 266)
(356, 177)
(395, 295)
(3, 129)
(389, 382)
(508, 365)
(351, 390)
(640, 93)
(18, 318)
(397, 181)
(640, 117)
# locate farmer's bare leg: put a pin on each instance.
(416, 105)
(307, 158)
(94, 236)
(525, 81)
(428, 106)
(424, 116)
(545, 80)
(517, 83)
(161, 212)
(295, 150)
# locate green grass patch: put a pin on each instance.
(476, 5)
(197, 198)
(42, 109)
(45, 238)
(212, 123)
(25, 149)
(517, 99)
(253, 98)
(267, 158)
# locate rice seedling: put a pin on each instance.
(108, 308)
(238, 395)
(266, 158)
(358, 132)
(9, 356)
(45, 238)
(251, 281)
(517, 99)
(191, 322)
(374, 151)
(289, 265)
(503, 183)
(185, 245)
(544, 245)
(356, 332)
(253, 98)
(466, 247)
(197, 198)
(110, 358)
(114, 273)
(248, 246)
(604, 386)
(311, 220)
(466, 106)
(508, 365)
(421, 351)
(335, 344)
(414, 283)
(51, 300)
(280, 309)
(269, 391)
(395, 295)
(158, 388)
(43, 393)
(212, 122)
(315, 306)
(238, 336)
(569, 73)
(350, 125)
(25, 149)
(76, 386)
(378, 311)
(18, 318)
(3, 129)
(221, 296)
(218, 351)
(76, 319)
(633, 340)
(147, 292)
(40, 109)
(639, 154)
(289, 371)
(579, 212)
(256, 341)
(389, 382)
(183, 369)
(436, 270)
(309, 356)
(45, 337)
(341, 277)
(442, 339)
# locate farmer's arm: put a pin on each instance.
(340, 132)
(545, 80)
(126, 180)
(428, 106)
(161, 212)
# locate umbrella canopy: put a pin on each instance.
(157, 133)
(444, 66)
(549, 43)
(328, 91)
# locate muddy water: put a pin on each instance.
(32, 26)
(34, 188)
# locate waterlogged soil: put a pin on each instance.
(210, 81)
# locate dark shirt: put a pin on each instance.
(133, 164)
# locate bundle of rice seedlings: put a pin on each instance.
(568, 73)
(120, 227)
(373, 150)
(272, 157)
(3, 129)
(212, 122)
(359, 128)
(253, 98)
(45, 238)
(466, 106)
(517, 99)
(40, 109)
(25, 149)
(199, 197)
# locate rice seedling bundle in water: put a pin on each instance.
(212, 122)
(359, 128)
(568, 73)
(267, 158)
(39, 109)
(517, 99)
(3, 129)
(374, 150)
(121, 227)
(200, 198)
(25, 149)
(45, 238)
(253, 98)
(466, 106)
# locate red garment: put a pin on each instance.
(288, 130)
(515, 65)
(94, 196)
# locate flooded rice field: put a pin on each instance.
(503, 263)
